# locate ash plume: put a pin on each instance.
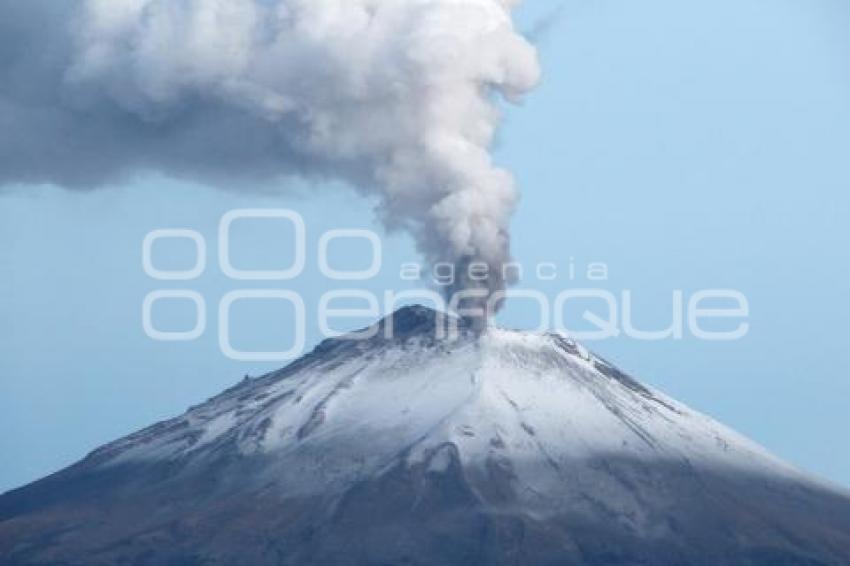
(398, 98)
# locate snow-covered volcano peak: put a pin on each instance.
(396, 445)
(403, 388)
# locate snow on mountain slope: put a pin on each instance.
(439, 445)
(513, 396)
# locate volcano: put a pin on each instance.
(408, 448)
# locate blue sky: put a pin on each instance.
(687, 145)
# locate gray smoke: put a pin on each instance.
(398, 98)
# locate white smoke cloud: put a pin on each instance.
(399, 98)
